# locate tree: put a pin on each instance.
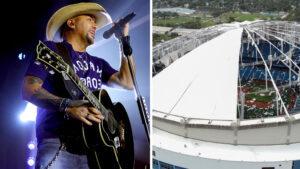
(230, 19)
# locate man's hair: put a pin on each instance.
(64, 28)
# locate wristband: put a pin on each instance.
(61, 107)
(64, 103)
(126, 45)
(67, 102)
(126, 39)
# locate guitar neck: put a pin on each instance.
(86, 92)
(55, 61)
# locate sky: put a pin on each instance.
(22, 25)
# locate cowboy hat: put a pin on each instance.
(70, 11)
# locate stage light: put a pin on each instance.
(29, 113)
(31, 145)
(30, 161)
(21, 56)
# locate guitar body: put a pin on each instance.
(110, 147)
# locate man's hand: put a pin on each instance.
(125, 30)
(81, 110)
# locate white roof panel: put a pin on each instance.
(203, 83)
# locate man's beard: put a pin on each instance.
(89, 39)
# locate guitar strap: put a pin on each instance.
(72, 90)
(62, 50)
(70, 136)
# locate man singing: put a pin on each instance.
(76, 24)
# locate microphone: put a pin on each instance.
(107, 34)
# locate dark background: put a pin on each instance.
(23, 23)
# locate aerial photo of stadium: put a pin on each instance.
(228, 96)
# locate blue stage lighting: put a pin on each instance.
(29, 113)
(31, 145)
(30, 161)
(21, 56)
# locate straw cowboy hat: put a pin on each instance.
(67, 12)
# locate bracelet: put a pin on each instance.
(64, 104)
(61, 105)
(67, 102)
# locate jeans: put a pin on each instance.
(47, 150)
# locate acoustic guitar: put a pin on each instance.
(111, 141)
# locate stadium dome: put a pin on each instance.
(228, 97)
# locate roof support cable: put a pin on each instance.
(278, 38)
(268, 71)
(283, 54)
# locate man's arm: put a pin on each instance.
(33, 92)
(123, 77)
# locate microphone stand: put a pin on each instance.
(127, 51)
